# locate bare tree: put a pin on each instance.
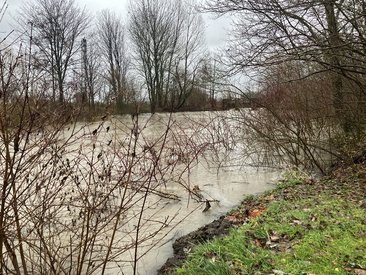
(188, 58)
(155, 27)
(111, 33)
(168, 39)
(326, 34)
(56, 26)
(208, 78)
(91, 79)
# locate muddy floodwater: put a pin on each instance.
(228, 185)
(111, 196)
(207, 149)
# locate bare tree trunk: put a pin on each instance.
(155, 30)
(335, 54)
(112, 45)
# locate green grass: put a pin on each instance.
(319, 234)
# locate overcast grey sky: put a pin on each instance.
(215, 29)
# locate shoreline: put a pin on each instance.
(343, 184)
(218, 228)
(183, 245)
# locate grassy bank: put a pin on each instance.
(304, 226)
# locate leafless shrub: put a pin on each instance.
(291, 122)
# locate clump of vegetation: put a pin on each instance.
(306, 227)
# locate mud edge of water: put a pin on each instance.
(183, 245)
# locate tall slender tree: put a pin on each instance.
(90, 72)
(57, 26)
(112, 43)
(167, 37)
(154, 27)
(188, 57)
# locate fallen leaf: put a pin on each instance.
(187, 249)
(296, 222)
(274, 238)
(235, 218)
(272, 246)
(278, 272)
(257, 243)
(359, 271)
(255, 213)
(231, 218)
